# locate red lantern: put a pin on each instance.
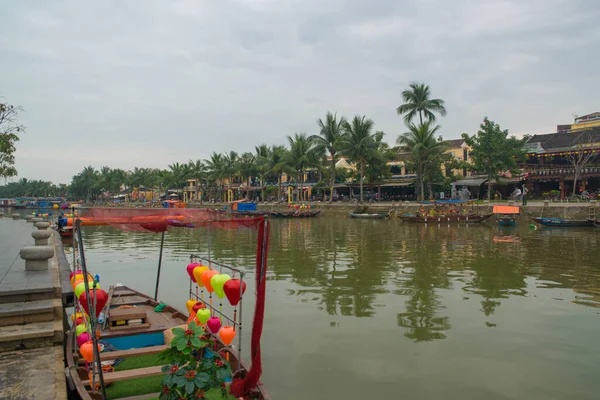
(214, 324)
(190, 270)
(232, 290)
(198, 306)
(101, 299)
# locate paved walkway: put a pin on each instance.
(13, 278)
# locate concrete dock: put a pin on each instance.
(31, 320)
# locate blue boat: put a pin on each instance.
(564, 223)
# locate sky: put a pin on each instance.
(151, 82)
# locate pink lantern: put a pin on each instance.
(83, 338)
(214, 324)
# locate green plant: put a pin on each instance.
(194, 369)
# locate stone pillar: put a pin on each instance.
(16, 216)
(36, 257)
(29, 218)
(37, 219)
(41, 236)
(1, 214)
(42, 225)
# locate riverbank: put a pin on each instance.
(569, 210)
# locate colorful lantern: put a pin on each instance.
(206, 277)
(197, 272)
(87, 351)
(189, 304)
(81, 288)
(198, 306)
(203, 315)
(227, 334)
(79, 320)
(232, 290)
(83, 338)
(217, 282)
(214, 324)
(76, 282)
(190, 270)
(101, 299)
(79, 329)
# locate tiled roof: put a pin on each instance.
(564, 140)
(455, 143)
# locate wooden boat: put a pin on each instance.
(297, 214)
(368, 216)
(595, 222)
(564, 223)
(506, 215)
(136, 329)
(65, 232)
(449, 219)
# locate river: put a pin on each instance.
(362, 309)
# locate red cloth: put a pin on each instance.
(241, 387)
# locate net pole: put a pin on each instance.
(162, 243)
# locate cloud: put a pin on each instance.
(150, 82)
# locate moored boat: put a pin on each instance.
(135, 330)
(506, 215)
(445, 219)
(168, 347)
(369, 215)
(564, 223)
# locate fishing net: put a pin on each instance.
(160, 220)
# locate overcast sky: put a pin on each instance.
(147, 83)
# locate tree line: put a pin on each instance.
(421, 149)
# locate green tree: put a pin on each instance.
(422, 145)
(300, 156)
(360, 145)
(417, 102)
(493, 151)
(217, 171)
(10, 129)
(278, 164)
(247, 169)
(328, 140)
(262, 165)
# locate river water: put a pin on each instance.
(361, 309)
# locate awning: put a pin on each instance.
(470, 182)
(397, 184)
(506, 210)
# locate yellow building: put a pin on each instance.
(586, 121)
(460, 151)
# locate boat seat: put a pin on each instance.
(142, 351)
(127, 317)
(110, 377)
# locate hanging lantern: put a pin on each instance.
(214, 324)
(189, 304)
(203, 315)
(79, 329)
(76, 282)
(101, 298)
(190, 270)
(83, 338)
(206, 277)
(79, 315)
(232, 290)
(78, 321)
(81, 288)
(197, 272)
(198, 306)
(217, 282)
(227, 334)
(87, 351)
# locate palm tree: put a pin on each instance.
(217, 170)
(247, 169)
(231, 165)
(359, 144)
(421, 143)
(417, 101)
(328, 139)
(277, 164)
(262, 155)
(300, 156)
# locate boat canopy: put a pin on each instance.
(506, 210)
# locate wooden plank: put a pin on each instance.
(127, 314)
(126, 327)
(144, 351)
(124, 292)
(110, 377)
(142, 397)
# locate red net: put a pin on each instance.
(159, 220)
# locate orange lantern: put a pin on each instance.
(87, 351)
(197, 272)
(227, 334)
(76, 283)
(206, 277)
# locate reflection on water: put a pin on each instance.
(360, 309)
